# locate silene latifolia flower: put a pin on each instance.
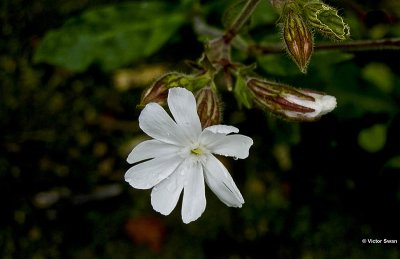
(180, 157)
(289, 102)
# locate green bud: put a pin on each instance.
(159, 90)
(326, 20)
(208, 107)
(297, 37)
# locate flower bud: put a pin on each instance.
(208, 107)
(290, 103)
(326, 20)
(158, 92)
(298, 38)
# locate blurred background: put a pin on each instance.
(71, 75)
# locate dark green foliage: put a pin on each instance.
(111, 36)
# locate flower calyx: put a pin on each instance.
(297, 37)
(208, 107)
(158, 91)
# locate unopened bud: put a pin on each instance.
(290, 103)
(298, 38)
(326, 20)
(208, 107)
(158, 92)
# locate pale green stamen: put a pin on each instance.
(197, 151)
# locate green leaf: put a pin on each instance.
(355, 98)
(373, 139)
(242, 94)
(394, 162)
(232, 12)
(264, 14)
(112, 36)
(279, 65)
(327, 59)
(380, 75)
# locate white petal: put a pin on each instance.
(165, 195)
(147, 174)
(156, 123)
(326, 103)
(221, 183)
(323, 104)
(194, 198)
(231, 145)
(182, 105)
(224, 129)
(151, 149)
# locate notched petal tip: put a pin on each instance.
(235, 145)
(188, 220)
(194, 199)
(238, 205)
(223, 129)
(221, 183)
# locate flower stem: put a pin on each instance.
(358, 45)
(240, 20)
(363, 45)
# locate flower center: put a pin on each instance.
(196, 151)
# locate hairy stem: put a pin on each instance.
(240, 20)
(363, 45)
(358, 45)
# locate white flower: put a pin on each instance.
(180, 157)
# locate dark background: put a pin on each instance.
(312, 190)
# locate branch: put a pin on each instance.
(363, 45)
(240, 20)
(358, 45)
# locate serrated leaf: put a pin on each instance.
(112, 36)
(242, 94)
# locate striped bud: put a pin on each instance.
(208, 107)
(297, 37)
(290, 103)
(158, 92)
(326, 20)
